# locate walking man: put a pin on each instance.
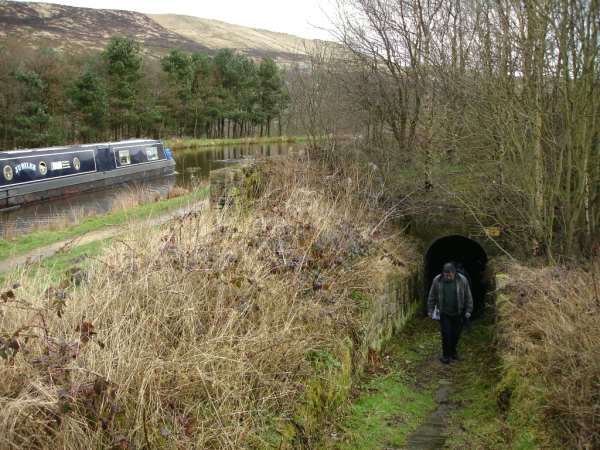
(451, 295)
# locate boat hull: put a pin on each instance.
(50, 189)
(38, 175)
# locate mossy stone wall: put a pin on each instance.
(234, 186)
(394, 303)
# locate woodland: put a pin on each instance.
(48, 97)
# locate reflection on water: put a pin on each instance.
(193, 167)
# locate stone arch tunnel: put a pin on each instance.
(465, 251)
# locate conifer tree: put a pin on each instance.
(123, 70)
(89, 105)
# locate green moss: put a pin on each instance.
(278, 435)
(325, 391)
(327, 388)
(252, 183)
(387, 410)
(388, 407)
(520, 396)
(361, 299)
(478, 421)
(323, 359)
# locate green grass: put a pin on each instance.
(26, 243)
(387, 410)
(390, 404)
(477, 422)
(395, 400)
(56, 266)
(203, 142)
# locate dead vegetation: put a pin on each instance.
(134, 196)
(195, 336)
(549, 330)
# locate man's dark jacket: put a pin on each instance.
(463, 295)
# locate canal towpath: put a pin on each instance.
(409, 400)
(39, 254)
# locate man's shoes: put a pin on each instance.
(455, 357)
(445, 360)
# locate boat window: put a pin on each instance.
(152, 153)
(124, 157)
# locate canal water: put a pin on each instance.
(193, 167)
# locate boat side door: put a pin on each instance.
(105, 159)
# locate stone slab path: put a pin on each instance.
(432, 433)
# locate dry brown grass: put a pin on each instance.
(132, 197)
(551, 327)
(194, 336)
(177, 191)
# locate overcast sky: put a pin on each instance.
(299, 17)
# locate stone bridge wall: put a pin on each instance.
(232, 186)
(385, 314)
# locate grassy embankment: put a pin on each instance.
(179, 143)
(25, 243)
(201, 335)
(549, 338)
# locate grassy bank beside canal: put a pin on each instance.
(179, 143)
(53, 270)
(31, 241)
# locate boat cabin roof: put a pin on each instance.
(119, 144)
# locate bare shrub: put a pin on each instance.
(551, 325)
(194, 336)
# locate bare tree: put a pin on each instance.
(507, 87)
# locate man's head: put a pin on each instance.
(449, 271)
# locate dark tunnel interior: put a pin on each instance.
(465, 251)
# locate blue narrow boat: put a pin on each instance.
(34, 175)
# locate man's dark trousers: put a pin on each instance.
(451, 327)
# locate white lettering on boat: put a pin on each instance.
(24, 166)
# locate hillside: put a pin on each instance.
(76, 29)
(215, 34)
